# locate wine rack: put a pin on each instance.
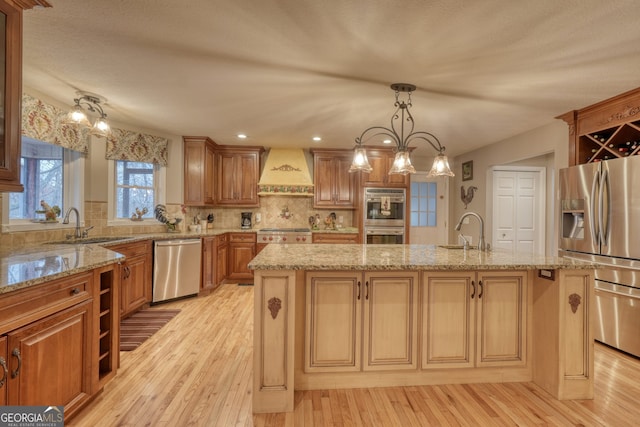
(612, 143)
(108, 322)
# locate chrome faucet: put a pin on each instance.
(78, 233)
(481, 244)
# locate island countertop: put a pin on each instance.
(401, 257)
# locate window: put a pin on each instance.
(423, 204)
(134, 188)
(50, 173)
(41, 173)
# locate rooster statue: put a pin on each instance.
(467, 196)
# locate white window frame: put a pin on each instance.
(159, 189)
(73, 195)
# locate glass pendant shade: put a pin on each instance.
(101, 128)
(360, 161)
(440, 167)
(402, 164)
(77, 117)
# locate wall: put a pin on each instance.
(545, 146)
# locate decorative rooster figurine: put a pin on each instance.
(468, 196)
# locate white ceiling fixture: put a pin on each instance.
(402, 138)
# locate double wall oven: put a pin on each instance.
(384, 215)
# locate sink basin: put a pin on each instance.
(456, 247)
(87, 240)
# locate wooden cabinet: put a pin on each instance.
(222, 258)
(136, 280)
(4, 370)
(381, 161)
(208, 264)
(47, 338)
(334, 186)
(474, 319)
(336, 238)
(237, 174)
(11, 77)
(242, 249)
(361, 321)
(607, 130)
(199, 166)
(106, 307)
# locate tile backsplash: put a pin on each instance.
(273, 214)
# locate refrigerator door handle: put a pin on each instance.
(604, 222)
(595, 186)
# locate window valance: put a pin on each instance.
(137, 147)
(44, 122)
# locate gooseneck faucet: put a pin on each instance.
(78, 233)
(481, 243)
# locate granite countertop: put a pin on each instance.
(30, 265)
(400, 257)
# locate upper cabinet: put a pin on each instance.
(11, 77)
(237, 174)
(607, 130)
(381, 161)
(199, 166)
(334, 186)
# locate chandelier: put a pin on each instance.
(78, 116)
(402, 138)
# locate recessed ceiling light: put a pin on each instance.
(386, 141)
(242, 136)
(317, 139)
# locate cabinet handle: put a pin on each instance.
(473, 294)
(5, 371)
(16, 354)
(366, 285)
(75, 291)
(480, 294)
(127, 272)
(359, 290)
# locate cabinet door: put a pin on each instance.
(390, 338)
(221, 263)
(323, 181)
(333, 325)
(11, 79)
(247, 169)
(208, 263)
(237, 177)
(345, 187)
(135, 292)
(448, 313)
(198, 171)
(381, 162)
(240, 254)
(4, 371)
(502, 318)
(51, 360)
(334, 186)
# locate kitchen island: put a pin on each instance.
(351, 316)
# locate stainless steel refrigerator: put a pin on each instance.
(600, 222)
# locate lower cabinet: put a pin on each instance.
(355, 316)
(242, 249)
(209, 261)
(136, 281)
(222, 257)
(473, 319)
(48, 340)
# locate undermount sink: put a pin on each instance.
(456, 247)
(87, 240)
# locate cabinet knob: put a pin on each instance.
(75, 291)
(16, 353)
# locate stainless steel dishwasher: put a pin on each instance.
(176, 269)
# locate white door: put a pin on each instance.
(518, 209)
(428, 209)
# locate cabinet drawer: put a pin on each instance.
(133, 249)
(222, 239)
(242, 237)
(24, 306)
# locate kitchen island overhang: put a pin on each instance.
(350, 316)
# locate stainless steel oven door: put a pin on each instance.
(384, 207)
(384, 235)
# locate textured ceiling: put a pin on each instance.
(284, 71)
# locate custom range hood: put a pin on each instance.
(286, 173)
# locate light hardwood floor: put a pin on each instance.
(197, 371)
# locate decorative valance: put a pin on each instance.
(44, 122)
(136, 147)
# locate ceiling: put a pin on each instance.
(285, 71)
